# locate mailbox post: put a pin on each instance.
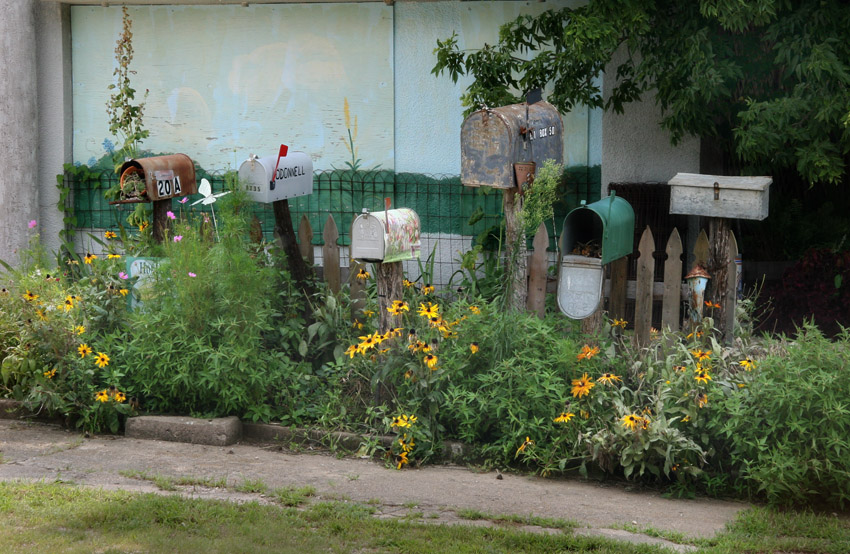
(500, 148)
(721, 198)
(157, 179)
(386, 238)
(276, 179)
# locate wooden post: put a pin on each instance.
(285, 234)
(731, 290)
(718, 268)
(330, 254)
(537, 273)
(160, 219)
(516, 257)
(617, 298)
(305, 240)
(389, 279)
(643, 290)
(672, 282)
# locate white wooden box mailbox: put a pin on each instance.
(390, 236)
(720, 196)
(294, 177)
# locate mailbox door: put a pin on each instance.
(579, 286)
(255, 174)
(367, 239)
(618, 238)
(402, 239)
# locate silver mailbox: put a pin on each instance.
(493, 140)
(389, 236)
(579, 285)
(720, 196)
(293, 177)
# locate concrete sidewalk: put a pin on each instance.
(38, 451)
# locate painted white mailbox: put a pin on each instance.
(292, 177)
(720, 196)
(389, 236)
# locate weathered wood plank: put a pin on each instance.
(537, 269)
(330, 254)
(358, 290)
(701, 249)
(672, 282)
(617, 294)
(305, 240)
(516, 258)
(718, 262)
(731, 289)
(389, 284)
(643, 293)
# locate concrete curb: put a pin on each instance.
(230, 430)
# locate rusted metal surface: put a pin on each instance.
(492, 140)
(165, 176)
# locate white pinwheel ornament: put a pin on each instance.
(209, 199)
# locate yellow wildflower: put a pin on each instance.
(587, 352)
(582, 386)
(528, 442)
(89, 258)
(102, 396)
(84, 350)
(101, 360)
(565, 417)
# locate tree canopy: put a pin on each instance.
(765, 81)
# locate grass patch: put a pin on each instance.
(293, 496)
(515, 519)
(251, 485)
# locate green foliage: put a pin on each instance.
(538, 202)
(125, 118)
(787, 431)
(765, 81)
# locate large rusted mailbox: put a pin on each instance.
(267, 180)
(157, 178)
(389, 236)
(494, 140)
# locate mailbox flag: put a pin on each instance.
(280, 154)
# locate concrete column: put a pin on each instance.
(18, 126)
(53, 61)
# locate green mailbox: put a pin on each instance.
(593, 235)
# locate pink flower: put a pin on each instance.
(170, 215)
(33, 223)
(122, 275)
(184, 199)
(192, 274)
(178, 238)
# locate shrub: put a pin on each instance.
(787, 431)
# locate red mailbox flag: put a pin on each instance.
(281, 154)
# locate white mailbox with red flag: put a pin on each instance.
(272, 178)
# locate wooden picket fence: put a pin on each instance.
(671, 291)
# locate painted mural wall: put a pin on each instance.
(228, 81)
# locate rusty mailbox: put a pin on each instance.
(389, 236)
(157, 178)
(494, 141)
(267, 180)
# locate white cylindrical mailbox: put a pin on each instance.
(293, 177)
(579, 285)
(390, 236)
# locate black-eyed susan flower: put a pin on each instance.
(608, 379)
(109, 235)
(30, 296)
(702, 399)
(357, 324)
(582, 386)
(143, 225)
(473, 347)
(430, 360)
(398, 307)
(701, 355)
(747, 364)
(41, 314)
(679, 368)
(89, 258)
(119, 396)
(352, 350)
(102, 396)
(565, 417)
(113, 256)
(417, 346)
(396, 332)
(528, 442)
(368, 313)
(619, 323)
(475, 309)
(429, 310)
(123, 291)
(702, 376)
(84, 350)
(101, 360)
(631, 421)
(428, 289)
(407, 284)
(362, 274)
(404, 420)
(402, 460)
(587, 352)
(50, 374)
(686, 419)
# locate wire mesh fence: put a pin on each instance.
(452, 216)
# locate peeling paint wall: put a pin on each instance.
(227, 81)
